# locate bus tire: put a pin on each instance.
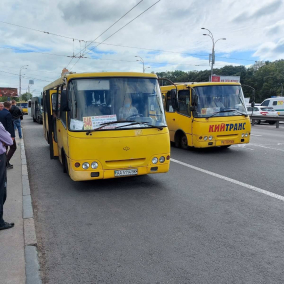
(177, 141)
(258, 121)
(65, 164)
(34, 119)
(183, 142)
(271, 122)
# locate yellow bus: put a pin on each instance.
(23, 106)
(206, 114)
(106, 125)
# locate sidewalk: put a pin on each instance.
(18, 262)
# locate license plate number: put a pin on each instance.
(227, 142)
(121, 173)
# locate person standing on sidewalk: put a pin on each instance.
(6, 120)
(5, 140)
(17, 115)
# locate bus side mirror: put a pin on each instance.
(64, 102)
(252, 104)
(174, 99)
(30, 104)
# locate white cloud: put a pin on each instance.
(250, 26)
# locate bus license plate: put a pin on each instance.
(121, 173)
(227, 142)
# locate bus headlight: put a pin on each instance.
(162, 159)
(205, 138)
(154, 160)
(243, 135)
(94, 165)
(246, 135)
(210, 138)
(85, 166)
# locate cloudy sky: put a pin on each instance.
(167, 36)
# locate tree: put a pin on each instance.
(26, 96)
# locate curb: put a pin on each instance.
(31, 255)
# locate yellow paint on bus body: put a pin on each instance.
(114, 149)
(216, 123)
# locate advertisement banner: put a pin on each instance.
(219, 78)
(8, 92)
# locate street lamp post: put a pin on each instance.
(141, 60)
(20, 78)
(213, 48)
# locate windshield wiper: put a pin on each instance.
(144, 123)
(228, 110)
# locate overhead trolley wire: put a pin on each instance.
(101, 35)
(118, 45)
(112, 25)
(122, 28)
(24, 76)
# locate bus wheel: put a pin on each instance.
(271, 122)
(34, 119)
(183, 142)
(177, 141)
(65, 164)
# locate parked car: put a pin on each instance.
(264, 111)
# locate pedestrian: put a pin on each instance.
(17, 116)
(6, 120)
(5, 140)
(1, 106)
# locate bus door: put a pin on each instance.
(52, 125)
(170, 115)
(61, 128)
(183, 115)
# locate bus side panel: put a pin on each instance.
(180, 122)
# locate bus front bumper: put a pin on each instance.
(81, 175)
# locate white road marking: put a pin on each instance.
(254, 188)
(266, 147)
(256, 135)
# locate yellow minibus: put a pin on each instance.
(106, 125)
(206, 114)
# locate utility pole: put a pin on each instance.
(213, 49)
(141, 60)
(20, 79)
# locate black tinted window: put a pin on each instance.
(265, 103)
(275, 103)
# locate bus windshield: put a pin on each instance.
(24, 105)
(219, 100)
(115, 103)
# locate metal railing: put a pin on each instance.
(277, 119)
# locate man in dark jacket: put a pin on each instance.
(16, 117)
(6, 120)
(5, 139)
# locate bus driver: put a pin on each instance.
(127, 110)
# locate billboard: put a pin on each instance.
(8, 92)
(220, 78)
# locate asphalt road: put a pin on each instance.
(186, 226)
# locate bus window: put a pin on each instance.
(184, 102)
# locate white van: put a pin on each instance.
(277, 103)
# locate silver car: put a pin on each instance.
(264, 111)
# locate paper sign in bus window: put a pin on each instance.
(76, 124)
(92, 122)
(280, 102)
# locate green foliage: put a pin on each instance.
(265, 77)
(25, 97)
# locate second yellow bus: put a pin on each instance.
(206, 114)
